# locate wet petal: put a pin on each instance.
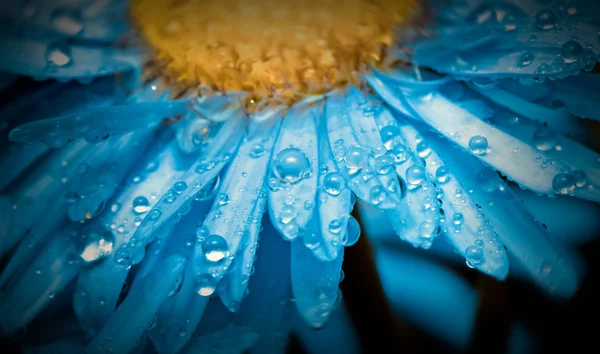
(222, 232)
(357, 146)
(234, 284)
(293, 174)
(98, 124)
(463, 224)
(416, 219)
(334, 200)
(39, 282)
(524, 237)
(314, 284)
(127, 325)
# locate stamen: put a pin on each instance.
(280, 49)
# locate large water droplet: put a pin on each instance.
(352, 232)
(355, 157)
(206, 285)
(478, 145)
(544, 139)
(140, 205)
(525, 59)
(415, 175)
(571, 51)
(581, 178)
(58, 55)
(333, 183)
(546, 20)
(96, 246)
(474, 255)
(458, 219)
(291, 165)
(564, 183)
(215, 248)
(335, 226)
(400, 153)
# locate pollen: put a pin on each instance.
(281, 49)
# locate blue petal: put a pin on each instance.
(39, 281)
(234, 340)
(463, 224)
(64, 61)
(236, 202)
(357, 145)
(293, 173)
(516, 228)
(128, 324)
(314, 284)
(97, 124)
(416, 219)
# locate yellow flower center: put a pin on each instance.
(282, 49)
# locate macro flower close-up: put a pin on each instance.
(204, 176)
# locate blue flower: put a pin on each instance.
(141, 206)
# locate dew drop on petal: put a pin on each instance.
(205, 285)
(546, 20)
(564, 183)
(335, 226)
(257, 150)
(571, 51)
(215, 248)
(415, 175)
(96, 246)
(384, 164)
(58, 55)
(333, 183)
(291, 165)
(544, 139)
(474, 255)
(140, 205)
(442, 174)
(581, 178)
(355, 157)
(478, 145)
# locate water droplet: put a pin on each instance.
(179, 187)
(355, 157)
(488, 180)
(71, 198)
(335, 226)
(390, 136)
(215, 248)
(206, 285)
(442, 174)
(154, 214)
(546, 20)
(222, 199)
(415, 175)
(423, 149)
(202, 233)
(311, 240)
(333, 183)
(58, 55)
(543, 69)
(478, 145)
(571, 51)
(458, 219)
(352, 232)
(427, 229)
(525, 59)
(182, 332)
(67, 21)
(257, 151)
(564, 183)
(384, 164)
(291, 165)
(309, 204)
(95, 246)
(377, 195)
(474, 255)
(140, 205)
(544, 139)
(400, 153)
(288, 213)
